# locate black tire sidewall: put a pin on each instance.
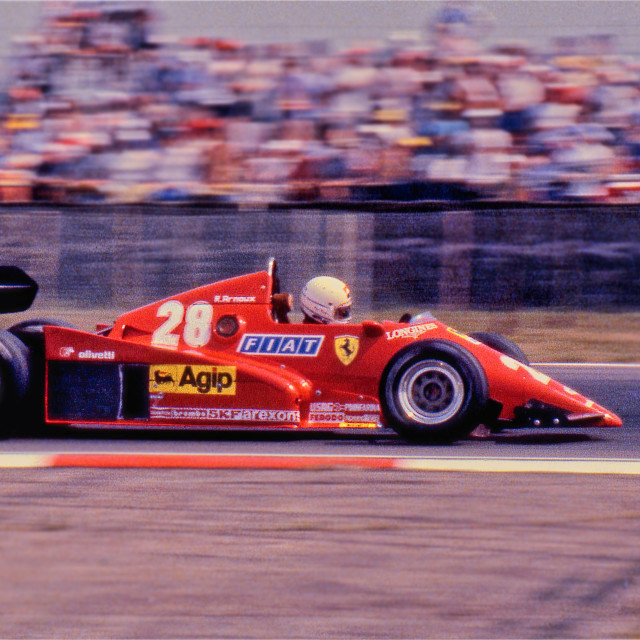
(501, 344)
(467, 417)
(31, 333)
(15, 374)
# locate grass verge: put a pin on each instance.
(545, 336)
(558, 336)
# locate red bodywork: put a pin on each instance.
(219, 357)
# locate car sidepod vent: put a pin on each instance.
(97, 392)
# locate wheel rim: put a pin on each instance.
(430, 392)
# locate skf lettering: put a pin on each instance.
(192, 379)
(412, 331)
(272, 344)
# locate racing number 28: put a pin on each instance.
(197, 324)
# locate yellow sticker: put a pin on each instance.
(358, 425)
(463, 336)
(192, 379)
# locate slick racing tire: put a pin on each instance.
(31, 333)
(14, 380)
(508, 348)
(434, 392)
(501, 344)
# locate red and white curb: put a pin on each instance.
(610, 466)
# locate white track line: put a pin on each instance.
(611, 466)
(524, 465)
(25, 460)
(594, 365)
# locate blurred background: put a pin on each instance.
(271, 102)
(463, 155)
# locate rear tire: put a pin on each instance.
(14, 381)
(434, 392)
(31, 333)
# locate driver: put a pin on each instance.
(326, 300)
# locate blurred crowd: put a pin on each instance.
(95, 107)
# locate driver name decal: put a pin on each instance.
(234, 299)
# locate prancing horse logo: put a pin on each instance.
(346, 348)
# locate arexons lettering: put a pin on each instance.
(280, 345)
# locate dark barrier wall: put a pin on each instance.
(583, 259)
(588, 258)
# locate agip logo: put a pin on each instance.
(346, 348)
(192, 379)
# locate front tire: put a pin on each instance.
(501, 344)
(434, 392)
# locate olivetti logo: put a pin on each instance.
(97, 355)
(271, 344)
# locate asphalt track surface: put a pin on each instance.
(333, 551)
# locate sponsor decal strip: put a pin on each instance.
(283, 462)
(225, 415)
(345, 414)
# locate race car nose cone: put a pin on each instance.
(596, 417)
(612, 420)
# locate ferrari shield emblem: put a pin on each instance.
(346, 348)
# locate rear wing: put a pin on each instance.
(17, 290)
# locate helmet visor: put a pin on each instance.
(342, 313)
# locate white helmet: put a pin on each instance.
(326, 300)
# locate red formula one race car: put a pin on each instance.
(226, 356)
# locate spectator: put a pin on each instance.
(95, 99)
